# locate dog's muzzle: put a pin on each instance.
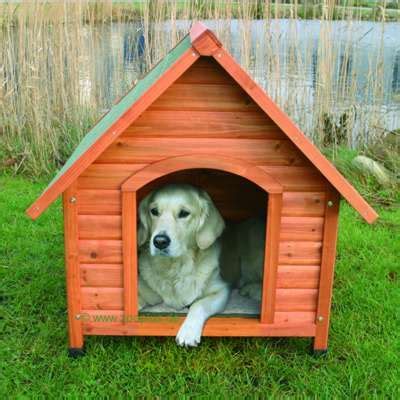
(161, 241)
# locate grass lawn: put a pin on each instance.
(364, 349)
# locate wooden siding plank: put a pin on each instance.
(297, 178)
(106, 176)
(292, 317)
(208, 124)
(100, 251)
(300, 253)
(298, 277)
(102, 275)
(100, 226)
(150, 150)
(204, 97)
(99, 298)
(206, 71)
(303, 204)
(99, 202)
(296, 299)
(302, 228)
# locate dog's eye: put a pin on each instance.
(154, 212)
(183, 214)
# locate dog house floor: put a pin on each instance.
(237, 305)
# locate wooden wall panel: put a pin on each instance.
(204, 97)
(294, 317)
(297, 178)
(300, 253)
(100, 251)
(296, 299)
(101, 275)
(107, 176)
(206, 71)
(148, 150)
(302, 228)
(298, 276)
(99, 226)
(98, 298)
(99, 202)
(204, 124)
(310, 204)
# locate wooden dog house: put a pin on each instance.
(198, 117)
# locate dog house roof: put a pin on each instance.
(200, 41)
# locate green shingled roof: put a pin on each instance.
(119, 109)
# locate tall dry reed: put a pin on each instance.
(62, 64)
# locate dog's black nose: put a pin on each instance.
(161, 241)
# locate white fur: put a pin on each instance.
(187, 272)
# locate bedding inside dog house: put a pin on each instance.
(198, 117)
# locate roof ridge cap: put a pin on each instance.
(198, 29)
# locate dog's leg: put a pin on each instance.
(189, 334)
(147, 295)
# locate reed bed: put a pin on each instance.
(64, 63)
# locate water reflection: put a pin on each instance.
(396, 73)
(284, 56)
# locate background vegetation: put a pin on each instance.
(53, 85)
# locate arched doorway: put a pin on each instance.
(162, 169)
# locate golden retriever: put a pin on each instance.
(179, 251)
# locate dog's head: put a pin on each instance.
(177, 218)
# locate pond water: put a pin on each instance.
(351, 63)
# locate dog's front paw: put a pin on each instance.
(189, 334)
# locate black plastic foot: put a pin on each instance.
(319, 352)
(76, 352)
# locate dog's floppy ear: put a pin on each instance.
(143, 229)
(211, 223)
